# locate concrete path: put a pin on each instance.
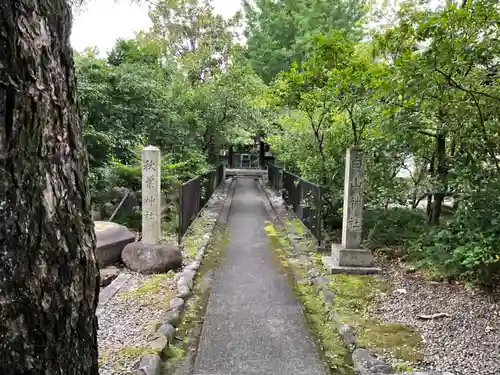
(253, 323)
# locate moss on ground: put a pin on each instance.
(103, 356)
(156, 291)
(125, 356)
(187, 333)
(298, 226)
(317, 316)
(353, 296)
(174, 352)
(402, 366)
(194, 237)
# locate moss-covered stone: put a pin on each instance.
(297, 225)
(174, 352)
(194, 237)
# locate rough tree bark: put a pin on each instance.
(48, 273)
(441, 178)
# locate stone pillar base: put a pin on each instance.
(350, 261)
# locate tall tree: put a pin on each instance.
(279, 32)
(194, 35)
(48, 273)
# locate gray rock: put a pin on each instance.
(148, 259)
(176, 303)
(424, 373)
(183, 291)
(334, 316)
(159, 343)
(168, 330)
(107, 209)
(193, 266)
(312, 273)
(366, 363)
(328, 296)
(186, 279)
(347, 333)
(128, 206)
(111, 239)
(150, 364)
(172, 317)
(321, 280)
(108, 274)
(118, 192)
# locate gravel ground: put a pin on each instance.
(128, 318)
(466, 341)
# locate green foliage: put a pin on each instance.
(183, 86)
(395, 227)
(421, 98)
(280, 32)
(468, 246)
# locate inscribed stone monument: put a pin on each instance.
(353, 199)
(151, 191)
(348, 257)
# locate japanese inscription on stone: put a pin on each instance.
(353, 199)
(151, 210)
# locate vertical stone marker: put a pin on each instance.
(353, 199)
(151, 195)
(151, 255)
(348, 257)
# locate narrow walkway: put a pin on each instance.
(253, 323)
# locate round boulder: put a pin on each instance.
(147, 259)
(111, 239)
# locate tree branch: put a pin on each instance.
(457, 85)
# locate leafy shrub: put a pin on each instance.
(398, 227)
(469, 246)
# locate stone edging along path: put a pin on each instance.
(153, 363)
(364, 361)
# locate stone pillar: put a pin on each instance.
(261, 153)
(230, 154)
(151, 195)
(348, 257)
(353, 199)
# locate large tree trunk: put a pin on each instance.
(441, 178)
(48, 273)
